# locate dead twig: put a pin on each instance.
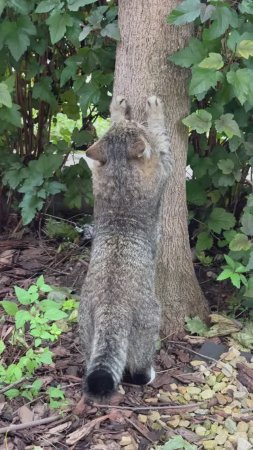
(34, 423)
(177, 344)
(10, 386)
(138, 428)
(170, 408)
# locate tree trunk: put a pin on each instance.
(142, 69)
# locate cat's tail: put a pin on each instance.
(108, 359)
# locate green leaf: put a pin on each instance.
(13, 373)
(204, 241)
(193, 54)
(246, 7)
(226, 166)
(20, 6)
(2, 346)
(247, 223)
(21, 318)
(230, 262)
(223, 18)
(12, 393)
(203, 79)
(241, 80)
(245, 49)
(55, 392)
(22, 295)
(228, 125)
(250, 262)
(90, 94)
(58, 23)
(224, 275)
(17, 36)
(201, 121)
(177, 443)
(74, 5)
(2, 6)
(196, 326)
(85, 32)
(10, 307)
(240, 242)
(45, 6)
(5, 97)
(11, 115)
(29, 207)
(249, 290)
(186, 12)
(55, 314)
(111, 30)
(220, 219)
(196, 194)
(213, 61)
(236, 280)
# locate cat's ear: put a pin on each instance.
(97, 153)
(140, 149)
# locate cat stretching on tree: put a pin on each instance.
(119, 313)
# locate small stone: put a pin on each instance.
(173, 387)
(222, 400)
(228, 445)
(154, 416)
(211, 380)
(228, 410)
(187, 397)
(207, 394)
(221, 437)
(142, 418)
(193, 390)
(227, 369)
(209, 445)
(239, 395)
(125, 440)
(184, 423)
(200, 431)
(214, 428)
(196, 363)
(243, 444)
(243, 426)
(152, 401)
(174, 422)
(217, 387)
(230, 425)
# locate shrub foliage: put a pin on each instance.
(220, 199)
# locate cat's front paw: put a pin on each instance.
(120, 109)
(154, 108)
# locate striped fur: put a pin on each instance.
(119, 314)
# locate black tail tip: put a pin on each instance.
(100, 383)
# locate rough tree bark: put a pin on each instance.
(142, 69)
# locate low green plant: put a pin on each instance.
(219, 193)
(37, 313)
(177, 443)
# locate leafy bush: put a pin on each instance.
(220, 199)
(57, 60)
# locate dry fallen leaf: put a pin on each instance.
(25, 414)
(85, 430)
